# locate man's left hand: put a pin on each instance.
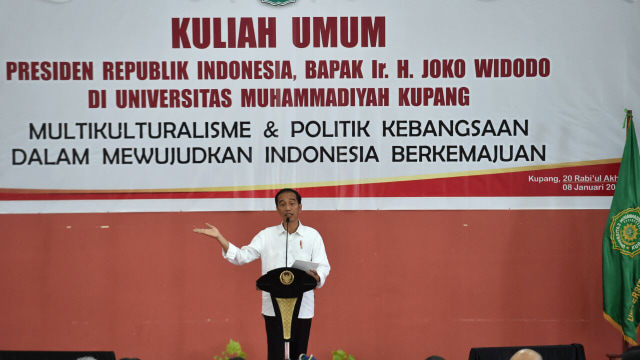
(314, 274)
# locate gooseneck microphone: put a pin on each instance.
(286, 262)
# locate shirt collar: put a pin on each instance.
(299, 231)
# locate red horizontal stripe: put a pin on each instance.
(509, 184)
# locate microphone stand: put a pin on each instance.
(286, 265)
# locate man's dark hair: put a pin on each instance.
(282, 191)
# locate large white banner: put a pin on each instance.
(202, 105)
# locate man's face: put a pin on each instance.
(288, 207)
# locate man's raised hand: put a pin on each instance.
(214, 233)
(210, 231)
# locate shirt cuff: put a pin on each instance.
(322, 278)
(231, 252)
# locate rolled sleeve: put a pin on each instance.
(322, 273)
(244, 255)
(231, 252)
(320, 256)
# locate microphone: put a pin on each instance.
(286, 252)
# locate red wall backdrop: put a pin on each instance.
(404, 284)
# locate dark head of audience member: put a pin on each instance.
(435, 357)
(632, 353)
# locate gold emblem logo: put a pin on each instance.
(286, 277)
(625, 232)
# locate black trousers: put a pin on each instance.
(275, 344)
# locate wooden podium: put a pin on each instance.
(286, 287)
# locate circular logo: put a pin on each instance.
(278, 2)
(286, 277)
(625, 232)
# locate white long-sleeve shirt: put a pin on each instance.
(269, 245)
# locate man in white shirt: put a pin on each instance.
(305, 243)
